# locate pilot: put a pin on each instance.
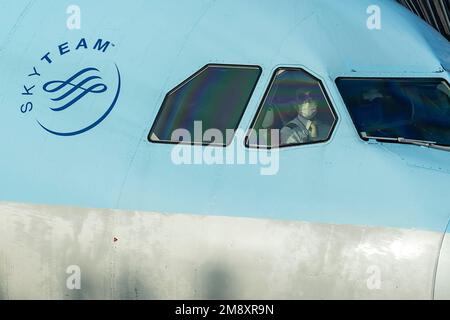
(305, 127)
(369, 112)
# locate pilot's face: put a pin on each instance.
(308, 109)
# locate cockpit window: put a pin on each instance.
(295, 111)
(206, 108)
(399, 109)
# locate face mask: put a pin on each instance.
(308, 110)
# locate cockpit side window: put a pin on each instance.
(294, 111)
(207, 107)
(399, 109)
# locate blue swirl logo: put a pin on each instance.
(76, 91)
(69, 92)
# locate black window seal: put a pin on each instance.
(266, 94)
(190, 78)
(378, 79)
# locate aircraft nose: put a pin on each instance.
(442, 284)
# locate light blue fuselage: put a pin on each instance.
(156, 45)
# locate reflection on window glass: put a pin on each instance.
(416, 109)
(294, 112)
(207, 107)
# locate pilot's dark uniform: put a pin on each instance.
(301, 130)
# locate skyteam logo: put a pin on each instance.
(73, 88)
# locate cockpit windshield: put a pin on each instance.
(399, 109)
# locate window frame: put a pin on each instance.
(185, 82)
(377, 79)
(265, 96)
